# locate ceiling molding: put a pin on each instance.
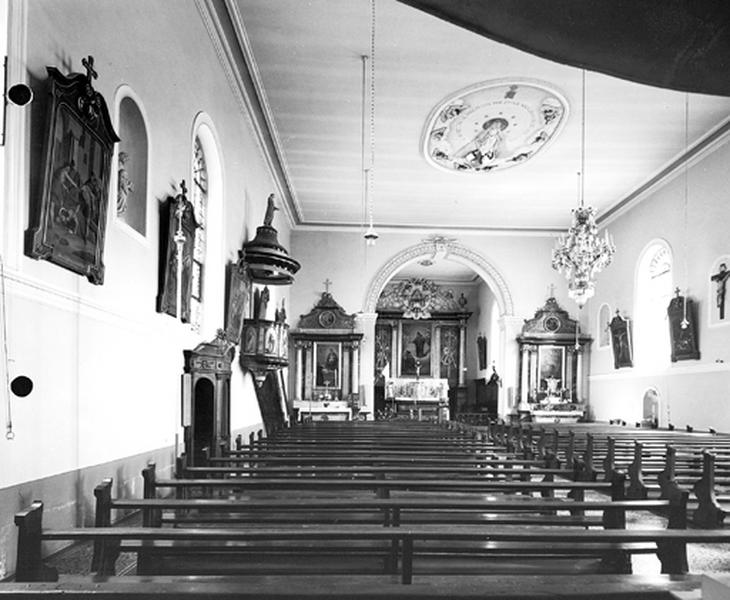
(222, 23)
(675, 167)
(423, 230)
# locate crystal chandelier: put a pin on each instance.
(581, 253)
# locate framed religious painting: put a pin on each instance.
(327, 365)
(68, 220)
(621, 342)
(551, 370)
(416, 345)
(683, 328)
(239, 291)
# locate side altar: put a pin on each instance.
(327, 364)
(554, 355)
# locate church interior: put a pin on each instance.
(280, 246)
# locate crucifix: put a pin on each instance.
(721, 278)
(327, 284)
(551, 287)
(179, 239)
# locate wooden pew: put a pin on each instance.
(669, 544)
(382, 487)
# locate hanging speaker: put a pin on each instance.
(21, 386)
(19, 94)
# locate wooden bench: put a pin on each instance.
(382, 487)
(400, 543)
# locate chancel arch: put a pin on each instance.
(453, 250)
(503, 349)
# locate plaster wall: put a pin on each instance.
(694, 392)
(105, 365)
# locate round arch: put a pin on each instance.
(446, 249)
(204, 130)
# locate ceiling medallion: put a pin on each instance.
(493, 125)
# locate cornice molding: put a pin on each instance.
(239, 67)
(712, 140)
(423, 230)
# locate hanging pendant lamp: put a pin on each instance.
(581, 253)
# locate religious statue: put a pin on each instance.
(125, 186)
(181, 227)
(263, 303)
(721, 278)
(482, 351)
(270, 209)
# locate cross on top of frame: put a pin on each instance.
(88, 64)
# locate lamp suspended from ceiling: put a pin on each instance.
(368, 168)
(581, 253)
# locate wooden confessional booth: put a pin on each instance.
(206, 410)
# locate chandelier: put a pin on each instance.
(581, 253)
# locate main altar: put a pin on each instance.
(419, 398)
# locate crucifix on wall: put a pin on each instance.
(721, 278)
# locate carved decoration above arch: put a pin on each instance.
(445, 248)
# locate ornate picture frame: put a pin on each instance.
(68, 224)
(239, 292)
(682, 315)
(416, 345)
(327, 365)
(621, 342)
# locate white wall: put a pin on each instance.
(105, 365)
(694, 392)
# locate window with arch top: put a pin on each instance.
(199, 200)
(654, 284)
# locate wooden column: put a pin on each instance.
(308, 383)
(355, 368)
(525, 375)
(462, 354)
(346, 381)
(393, 368)
(299, 378)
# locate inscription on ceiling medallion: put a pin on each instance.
(493, 125)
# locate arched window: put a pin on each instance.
(602, 331)
(199, 199)
(206, 195)
(653, 292)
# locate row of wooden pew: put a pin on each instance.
(654, 460)
(394, 500)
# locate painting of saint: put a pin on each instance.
(327, 362)
(416, 349)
